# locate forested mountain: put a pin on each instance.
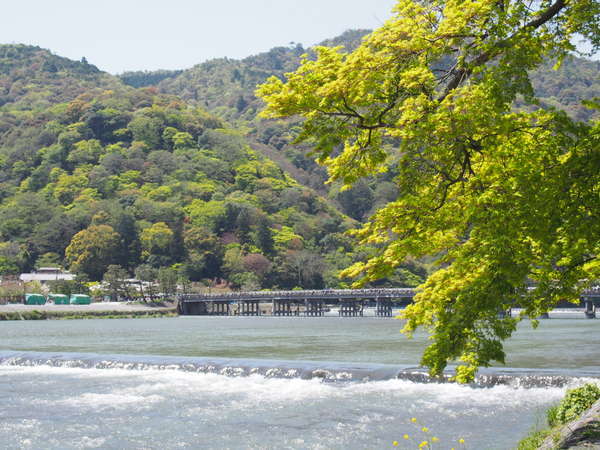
(32, 78)
(226, 88)
(94, 173)
(577, 79)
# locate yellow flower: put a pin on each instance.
(434, 439)
(395, 443)
(423, 444)
(461, 441)
(406, 436)
(413, 420)
(424, 429)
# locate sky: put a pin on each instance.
(120, 35)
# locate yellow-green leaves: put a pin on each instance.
(498, 198)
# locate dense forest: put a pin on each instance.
(149, 170)
(95, 173)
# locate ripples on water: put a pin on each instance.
(57, 399)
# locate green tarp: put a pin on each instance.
(59, 299)
(80, 299)
(35, 299)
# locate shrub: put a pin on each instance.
(576, 402)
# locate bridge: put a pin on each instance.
(314, 303)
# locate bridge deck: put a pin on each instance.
(326, 294)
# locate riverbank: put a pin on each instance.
(582, 433)
(574, 423)
(108, 310)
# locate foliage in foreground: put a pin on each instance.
(499, 197)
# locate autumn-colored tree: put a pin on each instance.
(500, 197)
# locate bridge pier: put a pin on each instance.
(590, 308)
(249, 308)
(282, 307)
(194, 309)
(218, 308)
(505, 313)
(351, 308)
(383, 308)
(313, 308)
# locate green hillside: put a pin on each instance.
(95, 173)
(32, 78)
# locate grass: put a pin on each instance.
(534, 440)
(64, 315)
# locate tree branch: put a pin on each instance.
(464, 72)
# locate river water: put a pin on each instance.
(272, 383)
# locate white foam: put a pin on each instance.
(152, 386)
(118, 399)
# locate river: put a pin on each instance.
(272, 383)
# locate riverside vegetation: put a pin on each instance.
(576, 402)
(64, 315)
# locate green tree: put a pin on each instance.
(156, 239)
(264, 236)
(92, 250)
(356, 201)
(12, 258)
(203, 254)
(498, 196)
(302, 269)
(147, 130)
(48, 260)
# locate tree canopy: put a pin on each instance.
(502, 194)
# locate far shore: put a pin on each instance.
(18, 311)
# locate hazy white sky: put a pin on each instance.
(119, 35)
